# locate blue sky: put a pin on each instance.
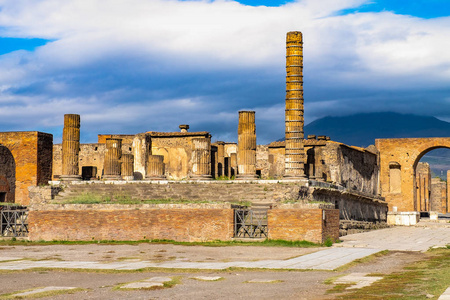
(134, 66)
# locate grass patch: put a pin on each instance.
(217, 243)
(362, 260)
(429, 276)
(39, 295)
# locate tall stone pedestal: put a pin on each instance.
(294, 157)
(112, 164)
(246, 155)
(70, 148)
(155, 167)
(201, 159)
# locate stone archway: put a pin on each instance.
(7, 175)
(398, 162)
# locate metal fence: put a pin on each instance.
(14, 221)
(250, 223)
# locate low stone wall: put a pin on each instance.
(352, 205)
(351, 227)
(116, 222)
(315, 225)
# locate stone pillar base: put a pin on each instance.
(70, 177)
(200, 177)
(155, 178)
(112, 177)
(294, 177)
(246, 177)
(128, 178)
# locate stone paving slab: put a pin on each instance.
(208, 278)
(413, 238)
(445, 295)
(43, 290)
(328, 259)
(358, 280)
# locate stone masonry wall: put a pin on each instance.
(354, 169)
(303, 224)
(438, 198)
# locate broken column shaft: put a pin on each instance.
(246, 155)
(201, 159)
(127, 171)
(70, 147)
(113, 155)
(155, 167)
(294, 157)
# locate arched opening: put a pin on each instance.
(430, 180)
(7, 176)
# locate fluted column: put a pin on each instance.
(127, 171)
(155, 167)
(70, 147)
(246, 155)
(294, 157)
(201, 159)
(113, 155)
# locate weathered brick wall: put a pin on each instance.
(135, 224)
(31, 168)
(7, 175)
(303, 224)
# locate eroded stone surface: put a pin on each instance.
(43, 290)
(358, 280)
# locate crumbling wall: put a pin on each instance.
(353, 168)
(438, 201)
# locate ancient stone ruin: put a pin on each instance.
(182, 186)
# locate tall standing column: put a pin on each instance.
(201, 159)
(70, 147)
(155, 167)
(220, 158)
(113, 155)
(127, 170)
(294, 157)
(246, 155)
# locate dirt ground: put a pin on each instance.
(101, 285)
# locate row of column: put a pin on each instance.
(116, 165)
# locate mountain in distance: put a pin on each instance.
(362, 129)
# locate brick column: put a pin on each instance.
(70, 147)
(113, 155)
(127, 170)
(294, 158)
(246, 155)
(220, 158)
(201, 159)
(233, 164)
(155, 167)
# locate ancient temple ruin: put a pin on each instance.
(313, 188)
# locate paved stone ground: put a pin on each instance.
(188, 265)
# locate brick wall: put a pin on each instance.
(136, 224)
(7, 175)
(30, 150)
(303, 224)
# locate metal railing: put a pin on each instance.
(250, 223)
(13, 221)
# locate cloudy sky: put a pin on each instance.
(130, 66)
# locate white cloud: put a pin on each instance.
(162, 61)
